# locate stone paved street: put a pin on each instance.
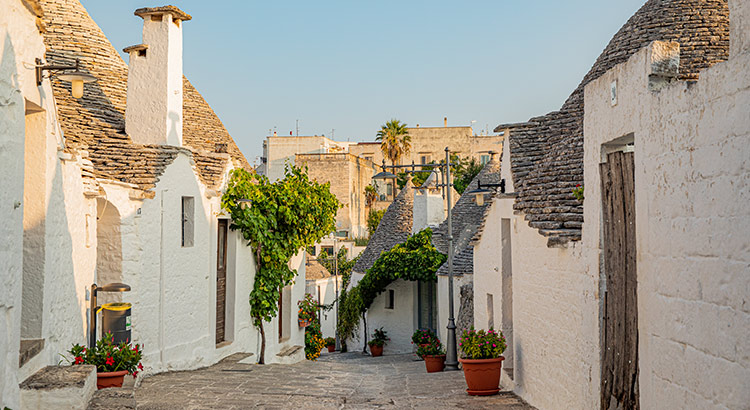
(344, 381)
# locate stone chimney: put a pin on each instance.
(153, 114)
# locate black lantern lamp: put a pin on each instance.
(482, 189)
(110, 287)
(384, 174)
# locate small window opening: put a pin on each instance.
(389, 301)
(141, 53)
(188, 221)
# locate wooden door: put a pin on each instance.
(221, 281)
(619, 384)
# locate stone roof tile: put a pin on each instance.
(547, 151)
(394, 228)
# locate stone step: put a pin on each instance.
(59, 387)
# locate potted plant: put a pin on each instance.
(112, 361)
(423, 337)
(482, 361)
(330, 344)
(308, 310)
(379, 339)
(433, 355)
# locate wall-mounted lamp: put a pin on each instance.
(76, 78)
(483, 189)
(244, 203)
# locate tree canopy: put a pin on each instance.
(395, 141)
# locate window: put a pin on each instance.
(389, 189)
(368, 157)
(188, 221)
(389, 299)
(326, 250)
(484, 158)
(424, 158)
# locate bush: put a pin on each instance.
(482, 345)
(108, 356)
(434, 348)
(373, 220)
(330, 341)
(314, 342)
(422, 336)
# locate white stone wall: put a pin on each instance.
(400, 322)
(692, 220)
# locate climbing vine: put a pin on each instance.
(414, 260)
(283, 217)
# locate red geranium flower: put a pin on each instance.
(140, 366)
(110, 361)
(79, 360)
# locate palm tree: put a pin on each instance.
(395, 141)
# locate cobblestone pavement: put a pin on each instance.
(342, 381)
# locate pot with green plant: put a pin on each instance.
(330, 344)
(113, 361)
(379, 339)
(482, 360)
(433, 354)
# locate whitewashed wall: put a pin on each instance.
(327, 288)
(692, 175)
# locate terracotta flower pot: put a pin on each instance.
(434, 363)
(331, 348)
(303, 322)
(482, 375)
(110, 379)
(376, 351)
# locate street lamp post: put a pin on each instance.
(451, 356)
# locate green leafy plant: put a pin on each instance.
(371, 195)
(395, 141)
(481, 344)
(308, 308)
(414, 260)
(373, 220)
(361, 241)
(314, 342)
(464, 172)
(284, 217)
(423, 336)
(578, 192)
(108, 356)
(379, 338)
(330, 341)
(433, 348)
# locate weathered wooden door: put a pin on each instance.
(221, 281)
(619, 384)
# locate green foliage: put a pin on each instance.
(285, 216)
(373, 220)
(108, 356)
(314, 342)
(308, 308)
(395, 141)
(361, 241)
(371, 195)
(465, 171)
(344, 264)
(415, 259)
(433, 348)
(578, 192)
(423, 336)
(330, 341)
(482, 345)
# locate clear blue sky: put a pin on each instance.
(351, 65)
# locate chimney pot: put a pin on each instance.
(153, 113)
